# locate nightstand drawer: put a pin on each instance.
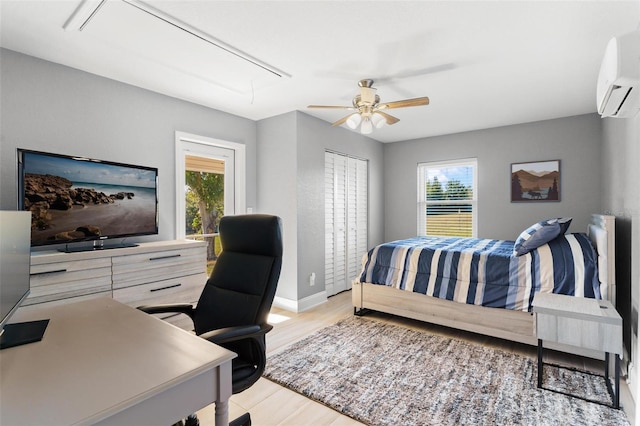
(578, 321)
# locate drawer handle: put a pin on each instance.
(165, 257)
(48, 272)
(166, 288)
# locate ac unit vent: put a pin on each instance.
(619, 79)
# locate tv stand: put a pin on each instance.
(149, 274)
(97, 245)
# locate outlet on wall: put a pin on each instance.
(312, 279)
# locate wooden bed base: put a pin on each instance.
(506, 324)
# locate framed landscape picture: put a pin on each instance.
(535, 181)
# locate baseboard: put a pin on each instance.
(302, 304)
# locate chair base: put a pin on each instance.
(192, 420)
(243, 420)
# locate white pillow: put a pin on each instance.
(598, 237)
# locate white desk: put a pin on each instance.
(102, 362)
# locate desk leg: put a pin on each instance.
(222, 413)
(539, 363)
(224, 393)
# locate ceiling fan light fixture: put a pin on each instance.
(366, 127)
(369, 111)
(377, 120)
(354, 120)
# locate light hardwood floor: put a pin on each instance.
(274, 405)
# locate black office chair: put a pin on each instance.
(236, 300)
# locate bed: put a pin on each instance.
(476, 298)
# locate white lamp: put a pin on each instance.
(354, 120)
(378, 120)
(366, 127)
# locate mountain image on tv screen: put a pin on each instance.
(79, 199)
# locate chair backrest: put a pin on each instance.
(243, 282)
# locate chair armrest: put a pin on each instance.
(232, 334)
(181, 308)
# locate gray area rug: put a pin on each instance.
(383, 374)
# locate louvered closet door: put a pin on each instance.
(345, 220)
(356, 217)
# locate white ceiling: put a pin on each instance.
(482, 64)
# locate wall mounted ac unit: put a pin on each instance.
(619, 79)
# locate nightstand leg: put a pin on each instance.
(614, 390)
(616, 402)
(539, 363)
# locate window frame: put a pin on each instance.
(423, 202)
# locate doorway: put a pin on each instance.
(206, 188)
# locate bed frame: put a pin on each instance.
(507, 324)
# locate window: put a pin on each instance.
(447, 197)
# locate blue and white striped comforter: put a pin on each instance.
(485, 272)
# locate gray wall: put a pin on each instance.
(575, 141)
(277, 190)
(291, 184)
(314, 137)
(53, 108)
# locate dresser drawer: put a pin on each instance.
(57, 302)
(62, 280)
(185, 289)
(177, 290)
(57, 272)
(145, 268)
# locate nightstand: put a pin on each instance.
(580, 322)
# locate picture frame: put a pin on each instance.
(535, 181)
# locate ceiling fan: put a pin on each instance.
(369, 112)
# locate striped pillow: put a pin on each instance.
(540, 233)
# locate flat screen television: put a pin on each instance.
(15, 263)
(76, 199)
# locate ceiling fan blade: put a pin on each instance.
(405, 103)
(331, 107)
(390, 119)
(341, 121)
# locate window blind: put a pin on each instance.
(447, 198)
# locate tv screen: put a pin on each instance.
(75, 199)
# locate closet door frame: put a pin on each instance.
(345, 238)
